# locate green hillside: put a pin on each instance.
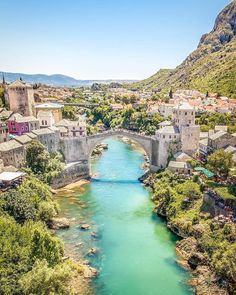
(211, 67)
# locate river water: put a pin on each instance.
(136, 251)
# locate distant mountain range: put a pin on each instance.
(57, 79)
(210, 68)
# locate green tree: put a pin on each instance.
(220, 162)
(45, 280)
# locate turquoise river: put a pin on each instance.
(136, 251)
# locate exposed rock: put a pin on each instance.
(93, 251)
(89, 272)
(196, 259)
(85, 226)
(59, 223)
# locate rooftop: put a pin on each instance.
(9, 145)
(23, 139)
(183, 106)
(174, 164)
(26, 119)
(168, 130)
(217, 135)
(43, 131)
(19, 84)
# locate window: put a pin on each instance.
(169, 136)
(190, 121)
(42, 122)
(46, 122)
(163, 136)
(186, 113)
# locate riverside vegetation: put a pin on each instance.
(207, 248)
(31, 257)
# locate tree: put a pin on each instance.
(41, 162)
(44, 280)
(220, 162)
(36, 157)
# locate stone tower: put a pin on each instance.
(184, 119)
(21, 98)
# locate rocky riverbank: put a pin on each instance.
(81, 281)
(189, 249)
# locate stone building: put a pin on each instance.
(183, 135)
(20, 96)
(3, 132)
(12, 153)
(49, 138)
(74, 128)
(55, 108)
(220, 140)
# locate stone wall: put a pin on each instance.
(71, 173)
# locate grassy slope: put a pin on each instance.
(211, 67)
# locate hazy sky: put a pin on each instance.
(100, 39)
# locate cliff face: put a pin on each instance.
(211, 67)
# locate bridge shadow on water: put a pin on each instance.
(119, 181)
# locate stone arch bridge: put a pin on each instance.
(77, 149)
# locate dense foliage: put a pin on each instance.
(180, 200)
(30, 256)
(209, 121)
(42, 163)
(128, 118)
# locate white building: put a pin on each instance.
(182, 136)
(46, 119)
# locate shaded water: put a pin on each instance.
(136, 252)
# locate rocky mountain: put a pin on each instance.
(211, 67)
(56, 80)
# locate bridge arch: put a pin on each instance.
(144, 141)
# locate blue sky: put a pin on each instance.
(101, 39)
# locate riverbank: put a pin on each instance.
(180, 201)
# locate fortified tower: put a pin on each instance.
(184, 119)
(20, 97)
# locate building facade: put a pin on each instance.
(19, 125)
(20, 96)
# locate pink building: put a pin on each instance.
(19, 125)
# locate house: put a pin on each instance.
(3, 132)
(74, 128)
(179, 167)
(182, 157)
(18, 125)
(46, 119)
(12, 153)
(220, 140)
(49, 138)
(55, 108)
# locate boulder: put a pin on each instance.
(85, 226)
(59, 223)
